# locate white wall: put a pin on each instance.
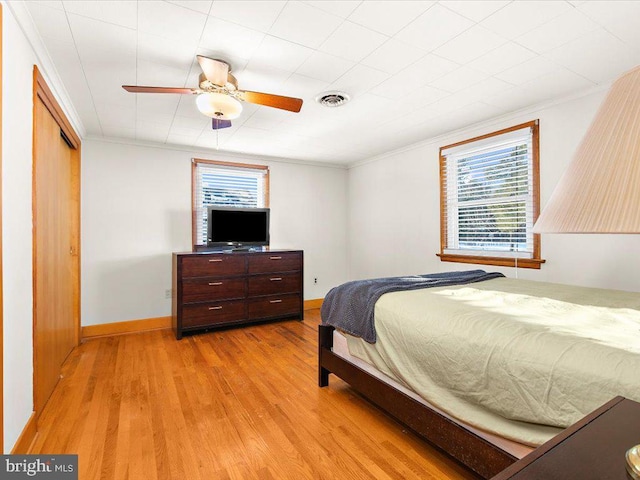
(394, 224)
(136, 210)
(18, 60)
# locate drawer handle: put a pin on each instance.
(215, 260)
(215, 308)
(215, 284)
(276, 279)
(275, 258)
(275, 301)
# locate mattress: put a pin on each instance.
(341, 349)
(519, 359)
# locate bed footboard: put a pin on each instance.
(474, 452)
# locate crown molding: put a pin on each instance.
(488, 124)
(218, 154)
(23, 18)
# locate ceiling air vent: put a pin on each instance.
(333, 99)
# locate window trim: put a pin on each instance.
(194, 166)
(503, 261)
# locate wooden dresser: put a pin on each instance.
(214, 289)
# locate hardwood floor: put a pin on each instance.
(233, 404)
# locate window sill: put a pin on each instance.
(497, 261)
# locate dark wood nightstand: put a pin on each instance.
(591, 449)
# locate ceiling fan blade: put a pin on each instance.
(215, 70)
(271, 100)
(217, 124)
(142, 89)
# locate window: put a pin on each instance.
(225, 184)
(489, 191)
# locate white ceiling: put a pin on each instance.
(414, 69)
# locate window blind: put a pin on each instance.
(225, 186)
(488, 196)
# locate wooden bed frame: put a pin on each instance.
(480, 456)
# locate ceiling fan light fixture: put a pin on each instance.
(219, 105)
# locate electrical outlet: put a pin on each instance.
(167, 293)
(315, 281)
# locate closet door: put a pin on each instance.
(55, 252)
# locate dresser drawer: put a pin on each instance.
(275, 262)
(274, 306)
(203, 289)
(274, 284)
(210, 265)
(209, 313)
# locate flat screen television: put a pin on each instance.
(233, 227)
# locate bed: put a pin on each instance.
(528, 358)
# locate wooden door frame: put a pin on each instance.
(41, 92)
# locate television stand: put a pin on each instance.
(223, 288)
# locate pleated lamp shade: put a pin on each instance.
(600, 191)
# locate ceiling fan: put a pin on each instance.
(218, 94)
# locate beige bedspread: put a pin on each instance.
(513, 357)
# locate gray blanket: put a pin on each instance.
(350, 307)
